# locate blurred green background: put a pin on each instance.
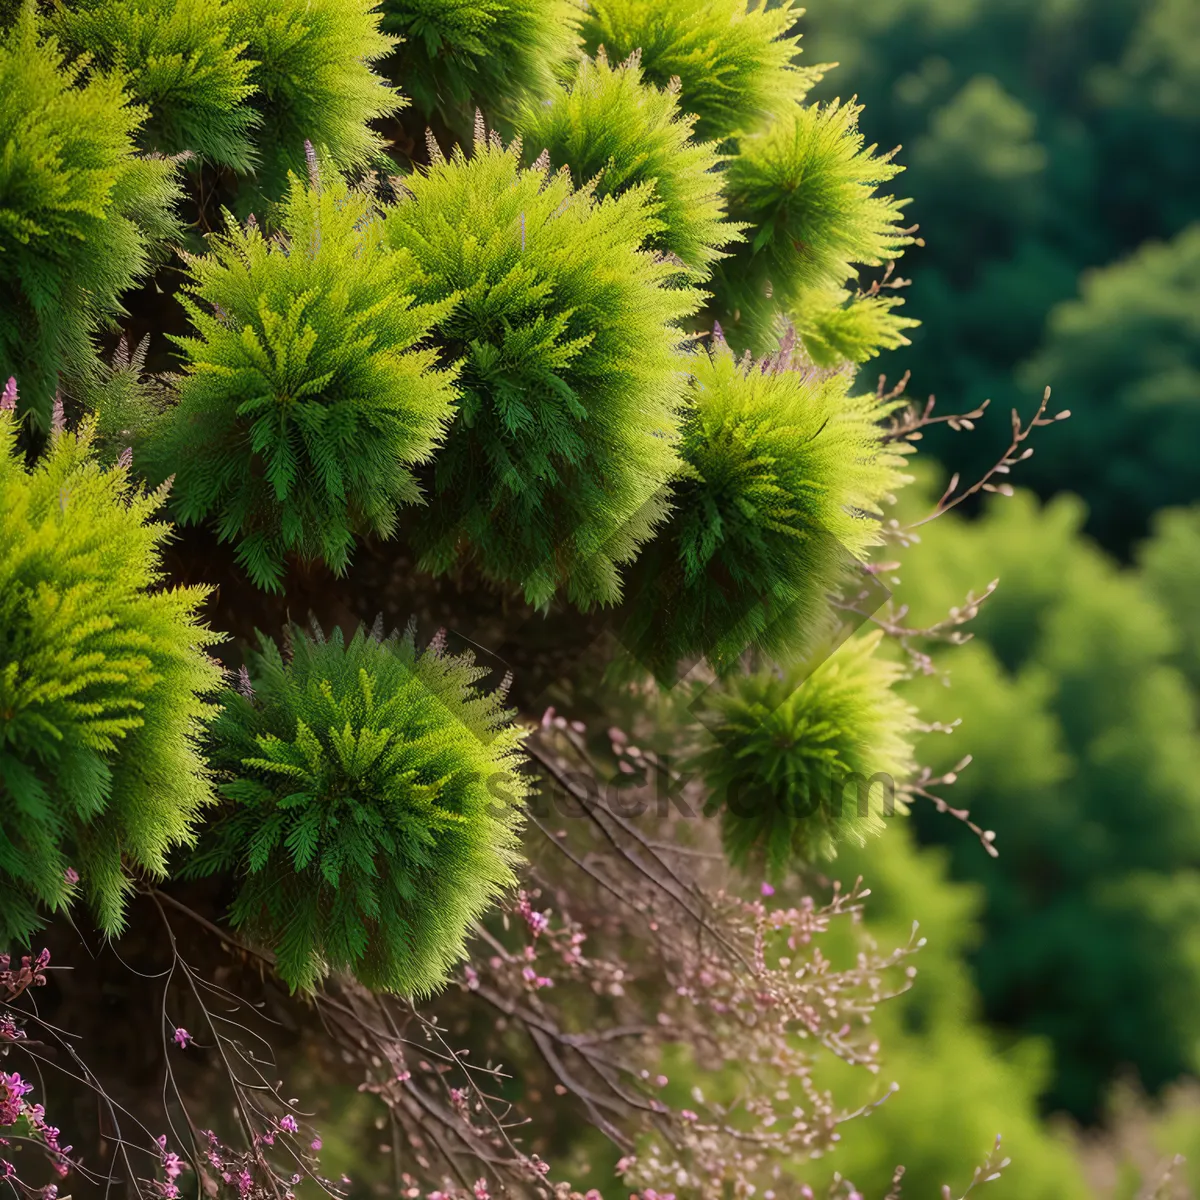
(1053, 153)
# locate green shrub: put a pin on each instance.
(780, 494)
(314, 82)
(374, 802)
(567, 330)
(181, 62)
(459, 55)
(734, 59)
(102, 679)
(805, 187)
(81, 215)
(306, 397)
(800, 762)
(608, 124)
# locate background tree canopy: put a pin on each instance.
(1052, 153)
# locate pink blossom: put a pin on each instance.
(12, 1089)
(535, 980)
(288, 1124)
(315, 1144)
(8, 399)
(481, 1190)
(181, 1037)
(71, 875)
(767, 890)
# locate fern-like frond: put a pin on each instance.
(611, 126)
(103, 676)
(794, 764)
(568, 333)
(82, 217)
(785, 471)
(374, 800)
(734, 60)
(307, 392)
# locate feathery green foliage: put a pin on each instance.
(785, 472)
(733, 58)
(306, 397)
(102, 675)
(458, 55)
(837, 327)
(806, 188)
(125, 402)
(567, 329)
(799, 764)
(80, 214)
(375, 797)
(314, 82)
(180, 61)
(608, 123)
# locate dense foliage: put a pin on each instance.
(82, 215)
(734, 60)
(784, 476)
(799, 760)
(103, 678)
(374, 801)
(1126, 357)
(571, 382)
(182, 63)
(306, 397)
(454, 56)
(610, 126)
(241, 83)
(805, 186)
(604, 358)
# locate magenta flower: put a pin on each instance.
(71, 875)
(288, 1124)
(8, 399)
(768, 890)
(181, 1038)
